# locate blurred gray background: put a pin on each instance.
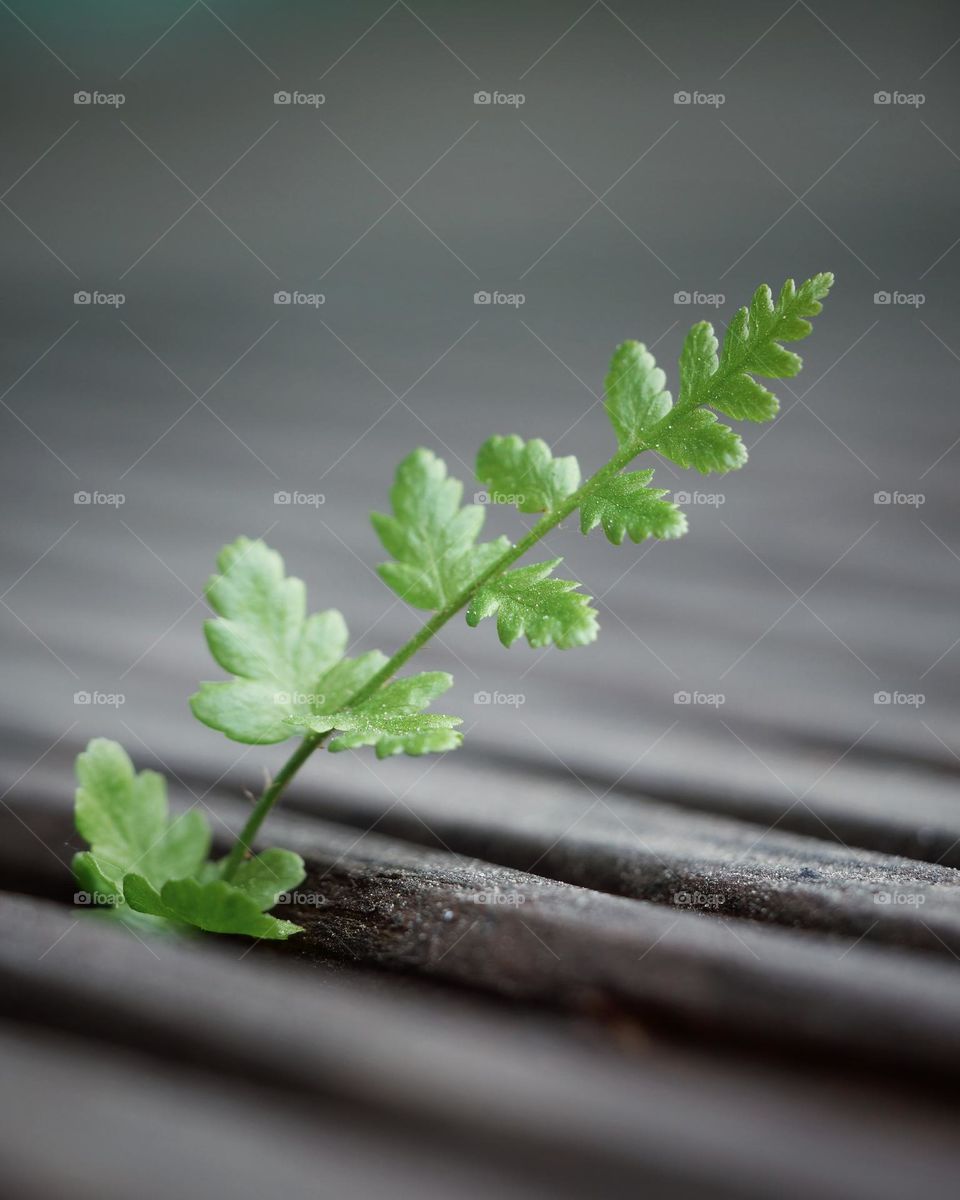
(603, 202)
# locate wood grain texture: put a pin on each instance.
(555, 1111)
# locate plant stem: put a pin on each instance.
(423, 635)
(269, 798)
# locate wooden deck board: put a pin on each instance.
(492, 1087)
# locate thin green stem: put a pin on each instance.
(427, 630)
(269, 798)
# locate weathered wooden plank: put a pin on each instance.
(87, 1120)
(638, 847)
(609, 841)
(377, 900)
(584, 1116)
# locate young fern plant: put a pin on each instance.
(289, 676)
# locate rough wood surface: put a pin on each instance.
(781, 1036)
(635, 846)
(563, 1111)
(376, 900)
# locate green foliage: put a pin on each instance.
(139, 857)
(393, 720)
(691, 436)
(215, 907)
(432, 539)
(626, 507)
(636, 398)
(527, 602)
(289, 673)
(696, 438)
(264, 637)
(124, 817)
(526, 473)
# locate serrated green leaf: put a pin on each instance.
(393, 720)
(625, 506)
(264, 636)
(746, 400)
(124, 817)
(342, 682)
(529, 603)
(698, 359)
(432, 539)
(526, 474)
(696, 439)
(413, 733)
(216, 907)
(95, 879)
(267, 875)
(636, 397)
(751, 346)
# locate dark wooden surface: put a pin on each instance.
(617, 945)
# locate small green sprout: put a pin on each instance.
(289, 676)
